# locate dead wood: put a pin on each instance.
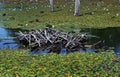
(52, 39)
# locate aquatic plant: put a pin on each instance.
(21, 63)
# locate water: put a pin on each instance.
(117, 50)
(7, 43)
(110, 36)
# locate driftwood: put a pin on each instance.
(51, 39)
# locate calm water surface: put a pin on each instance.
(110, 35)
(8, 43)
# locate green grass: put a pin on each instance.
(19, 63)
(105, 15)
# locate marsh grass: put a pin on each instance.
(105, 15)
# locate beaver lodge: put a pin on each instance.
(55, 40)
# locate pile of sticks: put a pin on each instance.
(52, 39)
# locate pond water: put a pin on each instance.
(110, 35)
(7, 43)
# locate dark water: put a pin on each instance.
(110, 35)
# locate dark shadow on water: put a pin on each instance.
(110, 36)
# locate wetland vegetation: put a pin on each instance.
(95, 15)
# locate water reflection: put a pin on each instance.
(110, 35)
